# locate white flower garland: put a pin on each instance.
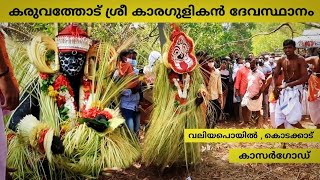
(69, 104)
(184, 93)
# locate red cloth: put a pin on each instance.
(5, 56)
(125, 69)
(73, 30)
(242, 80)
(313, 88)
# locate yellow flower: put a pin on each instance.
(141, 78)
(65, 128)
(50, 88)
(51, 92)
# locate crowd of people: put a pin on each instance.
(255, 90)
(236, 78)
(252, 90)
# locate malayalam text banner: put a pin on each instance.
(160, 11)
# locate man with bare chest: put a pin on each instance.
(288, 111)
(314, 90)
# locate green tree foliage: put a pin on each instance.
(143, 36)
(218, 39)
(221, 39)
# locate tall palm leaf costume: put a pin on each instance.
(65, 117)
(177, 98)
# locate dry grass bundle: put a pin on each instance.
(164, 143)
(88, 152)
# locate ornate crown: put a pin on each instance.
(73, 38)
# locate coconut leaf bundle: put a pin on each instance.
(49, 112)
(23, 159)
(23, 70)
(87, 152)
(105, 90)
(164, 141)
(16, 155)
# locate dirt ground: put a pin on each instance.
(215, 164)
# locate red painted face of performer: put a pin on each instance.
(181, 56)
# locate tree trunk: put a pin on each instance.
(162, 35)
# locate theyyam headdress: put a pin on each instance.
(73, 38)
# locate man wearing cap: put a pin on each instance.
(73, 44)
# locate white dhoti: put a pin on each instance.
(252, 105)
(3, 148)
(314, 111)
(304, 103)
(288, 108)
(272, 109)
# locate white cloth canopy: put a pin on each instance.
(309, 39)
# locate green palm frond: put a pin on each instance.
(23, 69)
(107, 90)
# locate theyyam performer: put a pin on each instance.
(67, 116)
(177, 95)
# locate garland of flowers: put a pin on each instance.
(86, 87)
(94, 112)
(90, 111)
(181, 87)
(37, 135)
(58, 87)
